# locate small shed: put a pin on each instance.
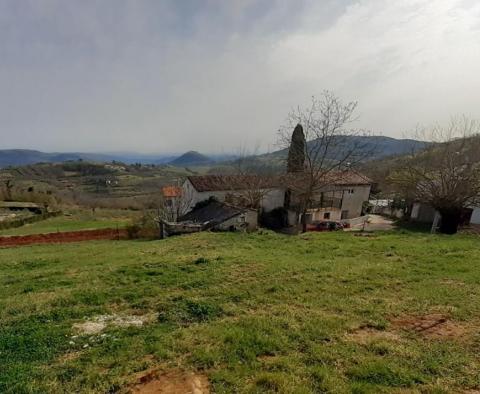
(220, 216)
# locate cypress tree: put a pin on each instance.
(296, 152)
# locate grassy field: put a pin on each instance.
(74, 220)
(252, 313)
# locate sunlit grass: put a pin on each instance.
(254, 312)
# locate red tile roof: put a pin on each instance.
(171, 191)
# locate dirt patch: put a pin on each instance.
(64, 237)
(473, 229)
(71, 356)
(366, 335)
(266, 358)
(89, 327)
(434, 325)
(452, 282)
(99, 323)
(171, 382)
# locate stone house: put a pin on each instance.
(215, 215)
(343, 198)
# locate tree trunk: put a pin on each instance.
(304, 221)
(451, 218)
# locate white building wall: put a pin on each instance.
(272, 199)
(247, 221)
(353, 199)
(475, 219)
(319, 214)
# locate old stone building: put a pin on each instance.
(342, 197)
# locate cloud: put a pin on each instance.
(167, 76)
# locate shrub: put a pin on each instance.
(201, 260)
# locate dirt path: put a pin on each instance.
(377, 222)
(374, 223)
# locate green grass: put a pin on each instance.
(254, 312)
(74, 220)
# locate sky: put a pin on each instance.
(164, 76)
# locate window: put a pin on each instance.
(326, 215)
(345, 214)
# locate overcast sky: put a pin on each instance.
(212, 75)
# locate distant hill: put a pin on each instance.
(380, 147)
(21, 157)
(383, 147)
(192, 158)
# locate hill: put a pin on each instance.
(191, 158)
(18, 157)
(22, 157)
(380, 146)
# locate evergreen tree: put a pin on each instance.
(296, 152)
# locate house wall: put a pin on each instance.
(475, 219)
(273, 198)
(190, 194)
(319, 214)
(353, 199)
(422, 213)
(247, 220)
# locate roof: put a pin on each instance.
(208, 183)
(213, 212)
(171, 191)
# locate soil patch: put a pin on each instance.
(171, 382)
(433, 325)
(63, 237)
(99, 323)
(366, 335)
(89, 327)
(71, 356)
(452, 282)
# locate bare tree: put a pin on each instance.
(8, 188)
(331, 148)
(173, 203)
(251, 179)
(446, 174)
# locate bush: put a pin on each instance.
(146, 227)
(201, 260)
